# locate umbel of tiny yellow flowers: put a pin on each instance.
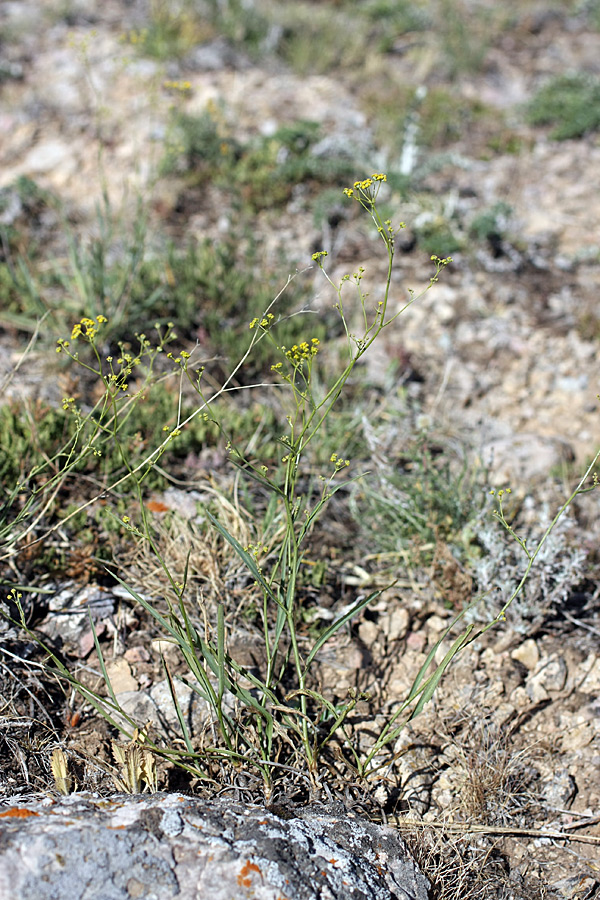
(339, 462)
(299, 352)
(367, 190)
(86, 328)
(177, 85)
(264, 322)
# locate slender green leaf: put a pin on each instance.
(335, 626)
(221, 649)
(416, 685)
(247, 559)
(105, 675)
(433, 681)
(177, 705)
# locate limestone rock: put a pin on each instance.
(170, 845)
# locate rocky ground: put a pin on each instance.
(500, 358)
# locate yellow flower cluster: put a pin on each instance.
(365, 186)
(178, 85)
(339, 462)
(86, 328)
(180, 360)
(299, 352)
(264, 323)
(134, 37)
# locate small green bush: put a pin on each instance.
(571, 103)
(262, 171)
(206, 289)
(492, 223)
(210, 290)
(436, 236)
(173, 29)
(390, 19)
(28, 433)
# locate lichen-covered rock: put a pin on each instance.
(169, 845)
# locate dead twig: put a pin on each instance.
(460, 828)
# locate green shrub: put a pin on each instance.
(173, 29)
(198, 143)
(241, 22)
(445, 117)
(491, 223)
(262, 171)
(390, 19)
(27, 435)
(436, 236)
(206, 289)
(571, 103)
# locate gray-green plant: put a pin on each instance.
(491, 224)
(561, 565)
(464, 34)
(591, 9)
(419, 493)
(570, 103)
(275, 719)
(257, 173)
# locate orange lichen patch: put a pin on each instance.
(17, 812)
(333, 862)
(157, 506)
(245, 877)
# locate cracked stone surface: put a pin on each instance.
(160, 846)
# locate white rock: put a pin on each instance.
(46, 156)
(524, 456)
(396, 624)
(551, 673)
(186, 698)
(527, 653)
(578, 737)
(368, 632)
(591, 682)
(121, 676)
